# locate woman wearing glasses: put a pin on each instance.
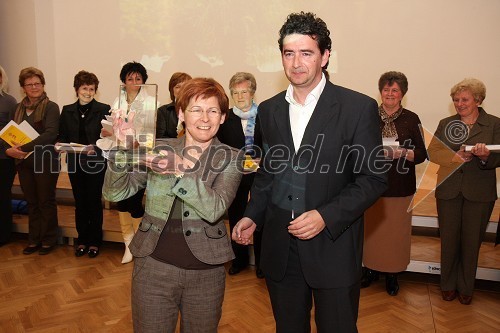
(37, 163)
(182, 242)
(241, 131)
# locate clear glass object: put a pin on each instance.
(139, 115)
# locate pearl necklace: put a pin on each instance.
(84, 112)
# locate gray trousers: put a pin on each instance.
(160, 291)
(462, 224)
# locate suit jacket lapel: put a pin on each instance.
(326, 108)
(92, 113)
(282, 121)
(74, 112)
(482, 120)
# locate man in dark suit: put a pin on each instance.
(322, 169)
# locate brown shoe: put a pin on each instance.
(449, 295)
(465, 300)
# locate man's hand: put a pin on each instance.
(243, 230)
(307, 225)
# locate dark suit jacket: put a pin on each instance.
(69, 126)
(334, 172)
(70, 120)
(475, 182)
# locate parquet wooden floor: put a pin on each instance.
(62, 293)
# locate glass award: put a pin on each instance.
(137, 106)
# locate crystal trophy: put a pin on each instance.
(137, 106)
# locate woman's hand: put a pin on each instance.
(462, 156)
(166, 162)
(395, 153)
(15, 152)
(481, 151)
(105, 133)
(243, 230)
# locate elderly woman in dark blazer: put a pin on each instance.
(182, 242)
(36, 161)
(81, 123)
(466, 186)
(241, 131)
(388, 222)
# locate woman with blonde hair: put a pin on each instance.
(466, 186)
(241, 131)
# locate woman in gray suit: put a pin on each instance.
(182, 242)
(466, 186)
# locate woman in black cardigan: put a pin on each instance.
(80, 122)
(387, 241)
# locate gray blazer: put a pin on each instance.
(474, 181)
(206, 193)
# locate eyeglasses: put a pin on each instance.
(243, 92)
(211, 113)
(33, 85)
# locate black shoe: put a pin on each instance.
(80, 251)
(46, 249)
(93, 252)
(233, 270)
(369, 276)
(259, 273)
(31, 249)
(391, 284)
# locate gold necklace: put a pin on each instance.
(470, 124)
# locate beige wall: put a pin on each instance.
(435, 43)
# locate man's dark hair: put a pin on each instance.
(307, 24)
(133, 67)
